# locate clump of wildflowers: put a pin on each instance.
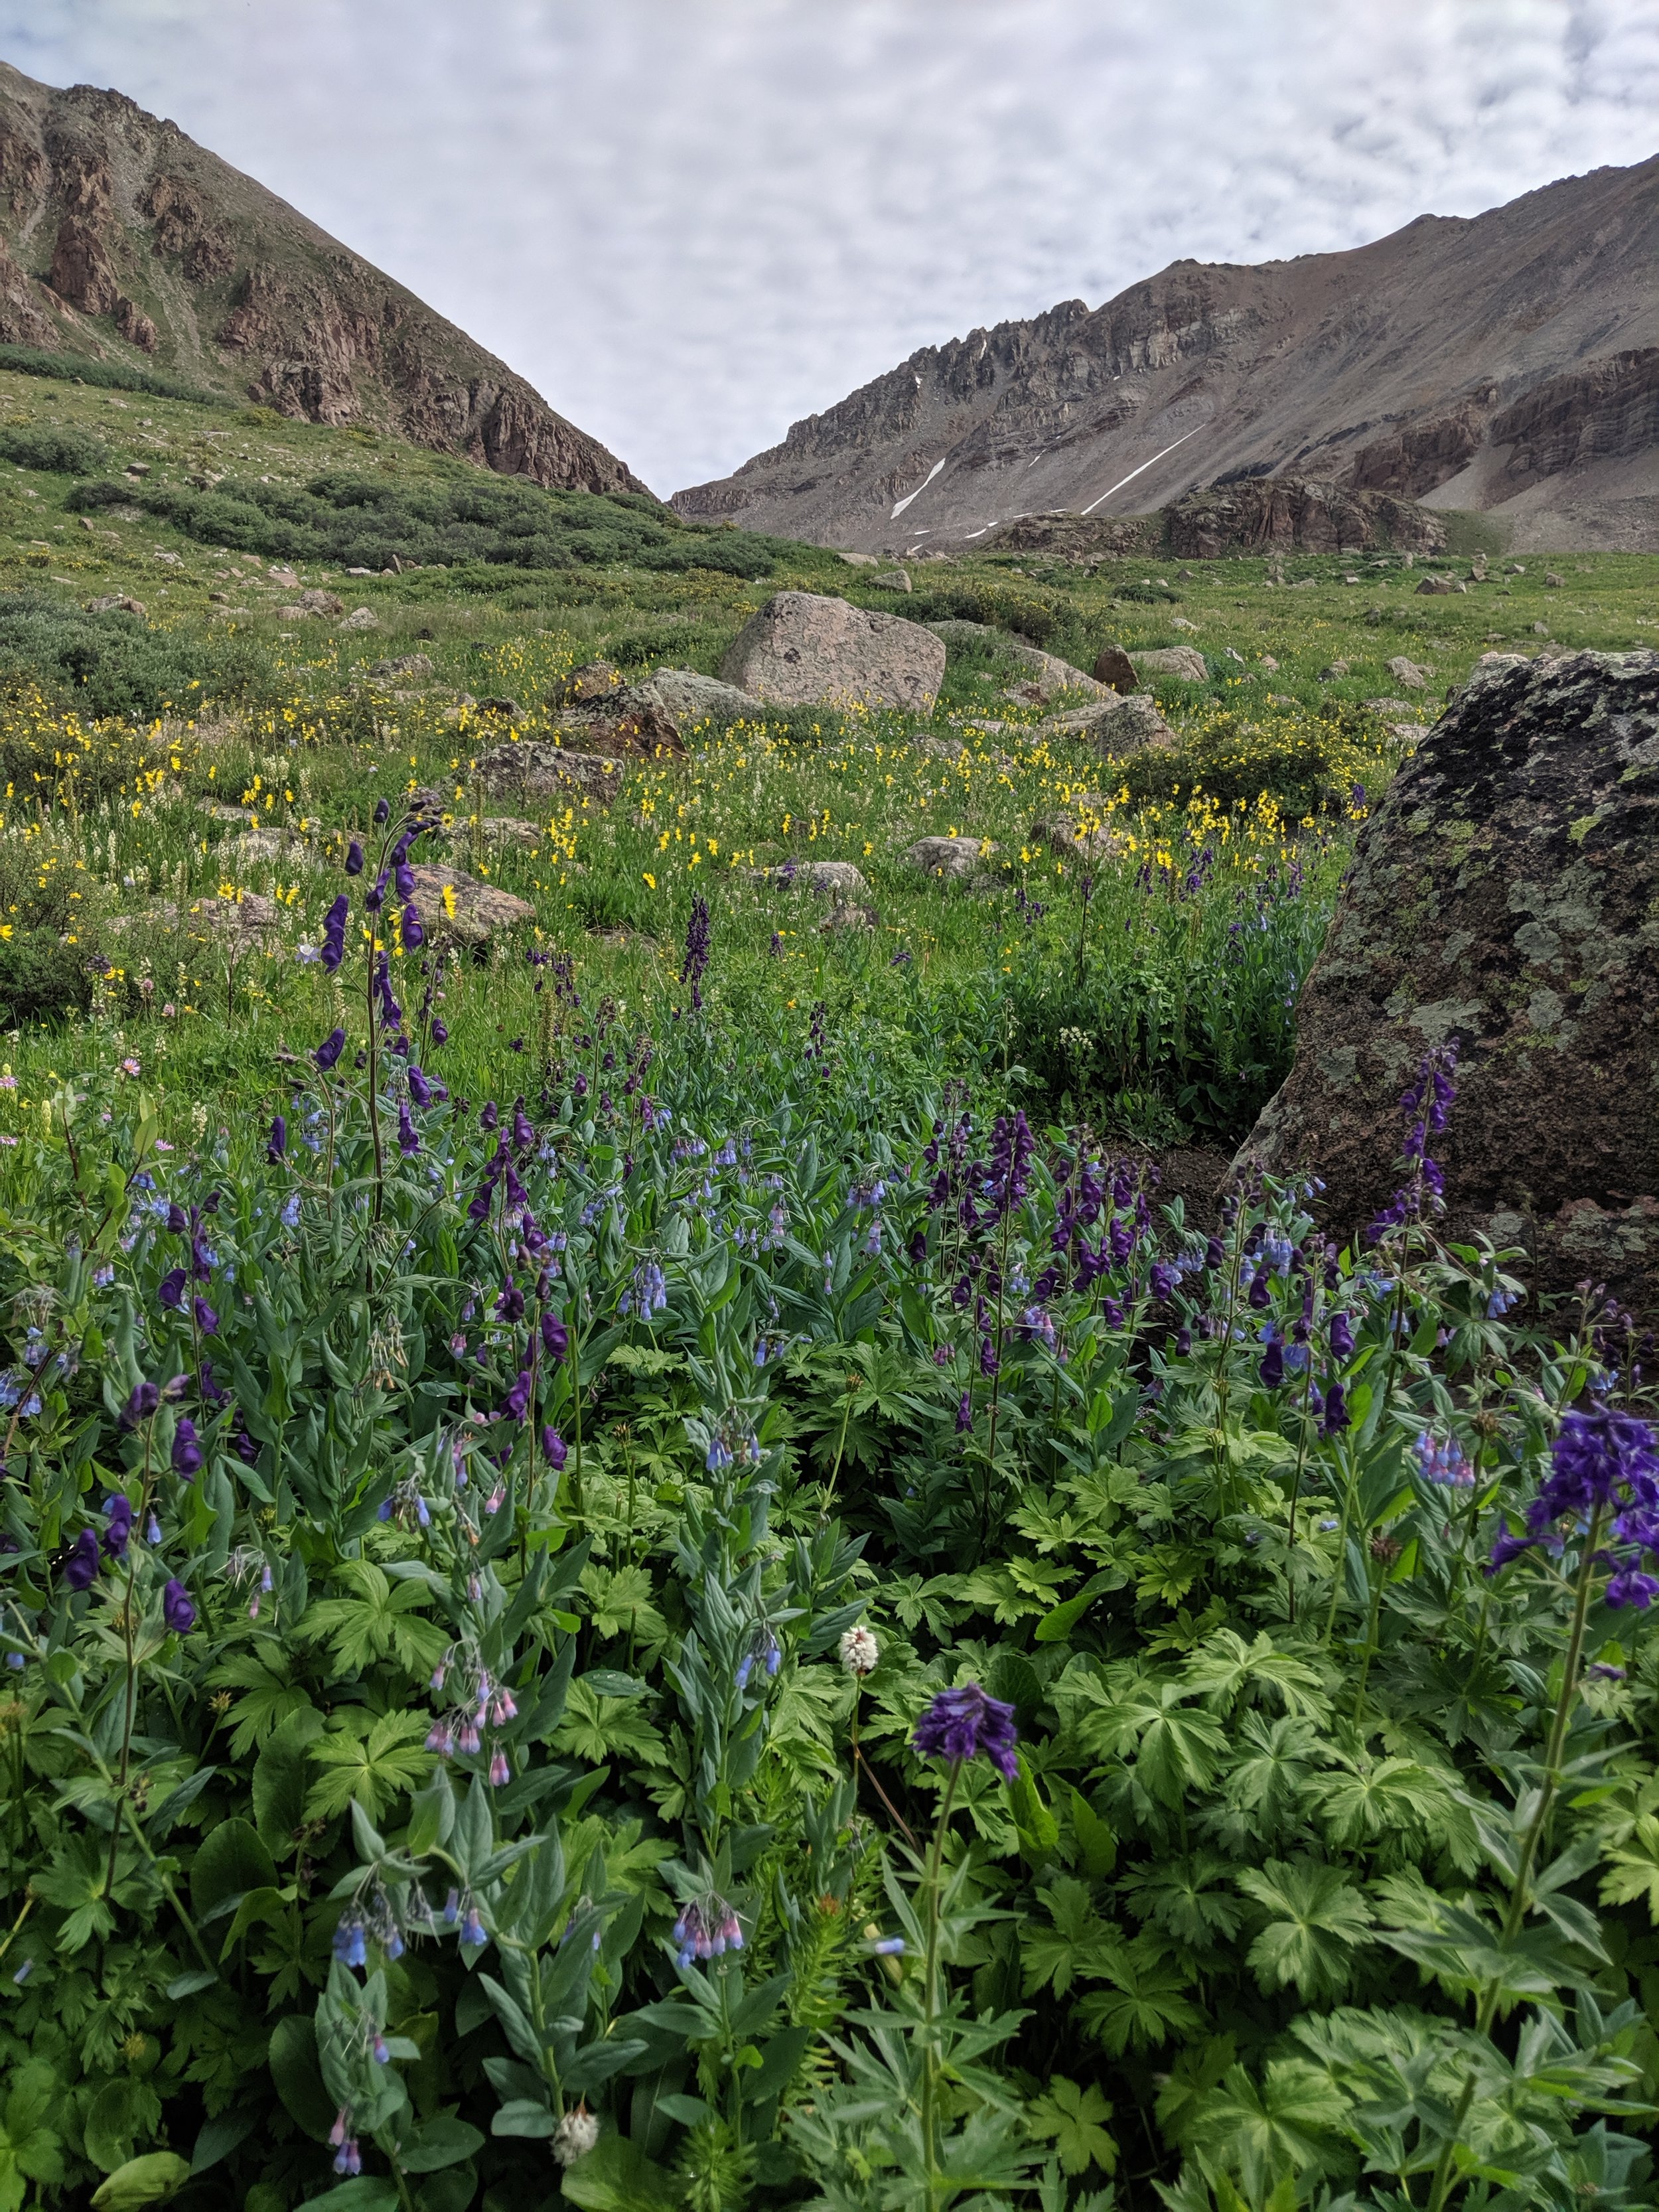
(966, 1724)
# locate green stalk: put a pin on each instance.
(929, 2060)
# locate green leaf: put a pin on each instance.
(1074, 2120)
(299, 2078)
(520, 2117)
(279, 1781)
(148, 2180)
(368, 1761)
(1033, 1821)
(230, 1860)
(123, 2111)
(368, 2192)
(617, 2176)
(30, 2148)
(1290, 2123)
(1095, 1838)
(441, 2143)
(1316, 1919)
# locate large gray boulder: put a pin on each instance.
(543, 771)
(1505, 894)
(1117, 726)
(1185, 661)
(1046, 670)
(804, 649)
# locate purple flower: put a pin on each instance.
(697, 938)
(171, 1289)
(553, 1449)
(556, 1337)
(187, 1451)
(334, 928)
(354, 859)
(1342, 1336)
(439, 1033)
(961, 1725)
(177, 1610)
(414, 935)
(329, 1050)
(1601, 1460)
(1336, 1411)
(142, 1404)
(419, 1089)
(382, 813)
(409, 1142)
(964, 1413)
(516, 1404)
(206, 1320)
(276, 1143)
(1273, 1365)
(81, 1566)
(119, 1533)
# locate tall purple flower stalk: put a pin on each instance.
(1604, 1469)
(696, 952)
(1426, 1105)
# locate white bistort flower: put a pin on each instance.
(575, 2136)
(859, 1651)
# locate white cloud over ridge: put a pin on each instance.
(691, 222)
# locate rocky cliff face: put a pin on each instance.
(120, 236)
(1509, 363)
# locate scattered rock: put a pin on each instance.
(1258, 513)
(548, 771)
(1331, 675)
(361, 618)
(401, 664)
(281, 575)
(629, 727)
(1504, 895)
(1121, 727)
(687, 698)
(839, 878)
(848, 914)
(862, 560)
(592, 680)
(115, 603)
(1077, 830)
(137, 468)
(1115, 669)
(316, 602)
(1386, 708)
(481, 910)
(296, 614)
(804, 648)
(892, 579)
(1552, 582)
(1046, 670)
(1351, 580)
(1408, 673)
(953, 860)
(1185, 661)
(1269, 664)
(1180, 621)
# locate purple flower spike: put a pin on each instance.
(556, 1337)
(328, 1052)
(177, 1610)
(414, 935)
(142, 1404)
(277, 1144)
(961, 1725)
(81, 1566)
(553, 1447)
(187, 1451)
(354, 859)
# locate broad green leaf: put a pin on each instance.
(279, 1781)
(229, 1861)
(1074, 2120)
(368, 1761)
(617, 2176)
(151, 2179)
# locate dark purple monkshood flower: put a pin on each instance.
(375, 898)
(696, 951)
(186, 1450)
(177, 1610)
(439, 1033)
(509, 1306)
(276, 1143)
(142, 1404)
(334, 930)
(172, 1287)
(964, 1723)
(119, 1533)
(81, 1566)
(1272, 1366)
(409, 1142)
(523, 1134)
(516, 1404)
(1012, 1147)
(328, 1052)
(404, 875)
(1336, 1411)
(419, 1089)
(354, 859)
(414, 935)
(555, 1336)
(965, 1413)
(382, 813)
(1342, 1336)
(490, 1118)
(206, 1320)
(553, 1450)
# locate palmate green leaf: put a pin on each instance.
(382, 1618)
(75, 1882)
(371, 1761)
(1294, 2121)
(31, 2148)
(1273, 1772)
(1176, 1746)
(1395, 1797)
(1181, 1896)
(622, 1604)
(1076, 1942)
(1147, 2003)
(599, 1730)
(1316, 1919)
(1225, 1669)
(1633, 1869)
(1074, 2120)
(265, 1673)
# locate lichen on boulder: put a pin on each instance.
(1506, 894)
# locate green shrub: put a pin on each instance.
(64, 452)
(108, 376)
(41, 977)
(115, 663)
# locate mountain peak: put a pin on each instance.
(122, 239)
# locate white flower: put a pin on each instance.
(575, 2136)
(859, 1651)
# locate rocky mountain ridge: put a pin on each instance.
(1509, 363)
(121, 239)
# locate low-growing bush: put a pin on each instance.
(62, 453)
(115, 664)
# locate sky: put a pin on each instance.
(689, 222)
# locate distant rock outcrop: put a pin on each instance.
(1269, 513)
(1509, 363)
(1505, 894)
(121, 238)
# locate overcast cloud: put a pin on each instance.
(691, 222)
